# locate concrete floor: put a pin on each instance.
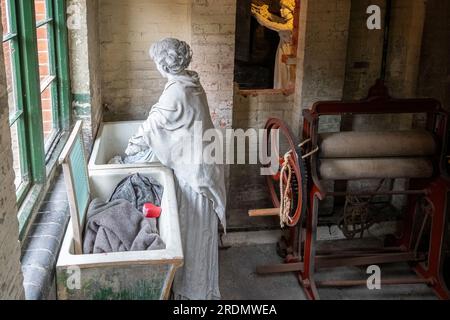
(238, 280)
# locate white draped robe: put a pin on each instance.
(201, 192)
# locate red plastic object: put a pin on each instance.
(151, 211)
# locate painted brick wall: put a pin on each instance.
(131, 83)
(94, 64)
(10, 274)
(84, 65)
(320, 73)
(213, 32)
(434, 80)
(402, 68)
(248, 188)
(405, 44)
(321, 61)
(326, 68)
(323, 38)
(365, 49)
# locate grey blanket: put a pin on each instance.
(138, 190)
(117, 226)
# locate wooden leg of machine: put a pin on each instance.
(433, 269)
(306, 276)
(406, 240)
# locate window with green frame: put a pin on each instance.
(36, 64)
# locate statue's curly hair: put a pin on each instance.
(173, 55)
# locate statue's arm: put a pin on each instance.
(264, 12)
(274, 18)
(139, 141)
(275, 26)
(136, 144)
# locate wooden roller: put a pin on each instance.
(378, 168)
(354, 144)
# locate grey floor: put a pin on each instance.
(238, 280)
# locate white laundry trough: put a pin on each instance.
(112, 140)
(143, 275)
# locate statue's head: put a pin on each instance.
(172, 56)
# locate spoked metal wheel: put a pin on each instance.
(297, 188)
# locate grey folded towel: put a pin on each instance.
(117, 226)
(139, 190)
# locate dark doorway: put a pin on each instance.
(256, 47)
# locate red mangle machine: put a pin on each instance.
(419, 157)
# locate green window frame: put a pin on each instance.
(26, 116)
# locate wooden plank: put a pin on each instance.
(177, 262)
(280, 268)
(73, 207)
(264, 212)
(73, 160)
(266, 92)
(335, 261)
(70, 142)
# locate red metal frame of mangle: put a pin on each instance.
(432, 193)
(434, 190)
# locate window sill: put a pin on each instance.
(37, 192)
(45, 215)
(53, 160)
(43, 241)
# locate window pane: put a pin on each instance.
(16, 155)
(42, 37)
(40, 10)
(10, 77)
(5, 16)
(47, 111)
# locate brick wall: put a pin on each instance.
(323, 40)
(434, 80)
(94, 65)
(84, 65)
(333, 40)
(248, 188)
(213, 29)
(110, 64)
(10, 274)
(404, 47)
(44, 66)
(131, 84)
(365, 49)
(321, 60)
